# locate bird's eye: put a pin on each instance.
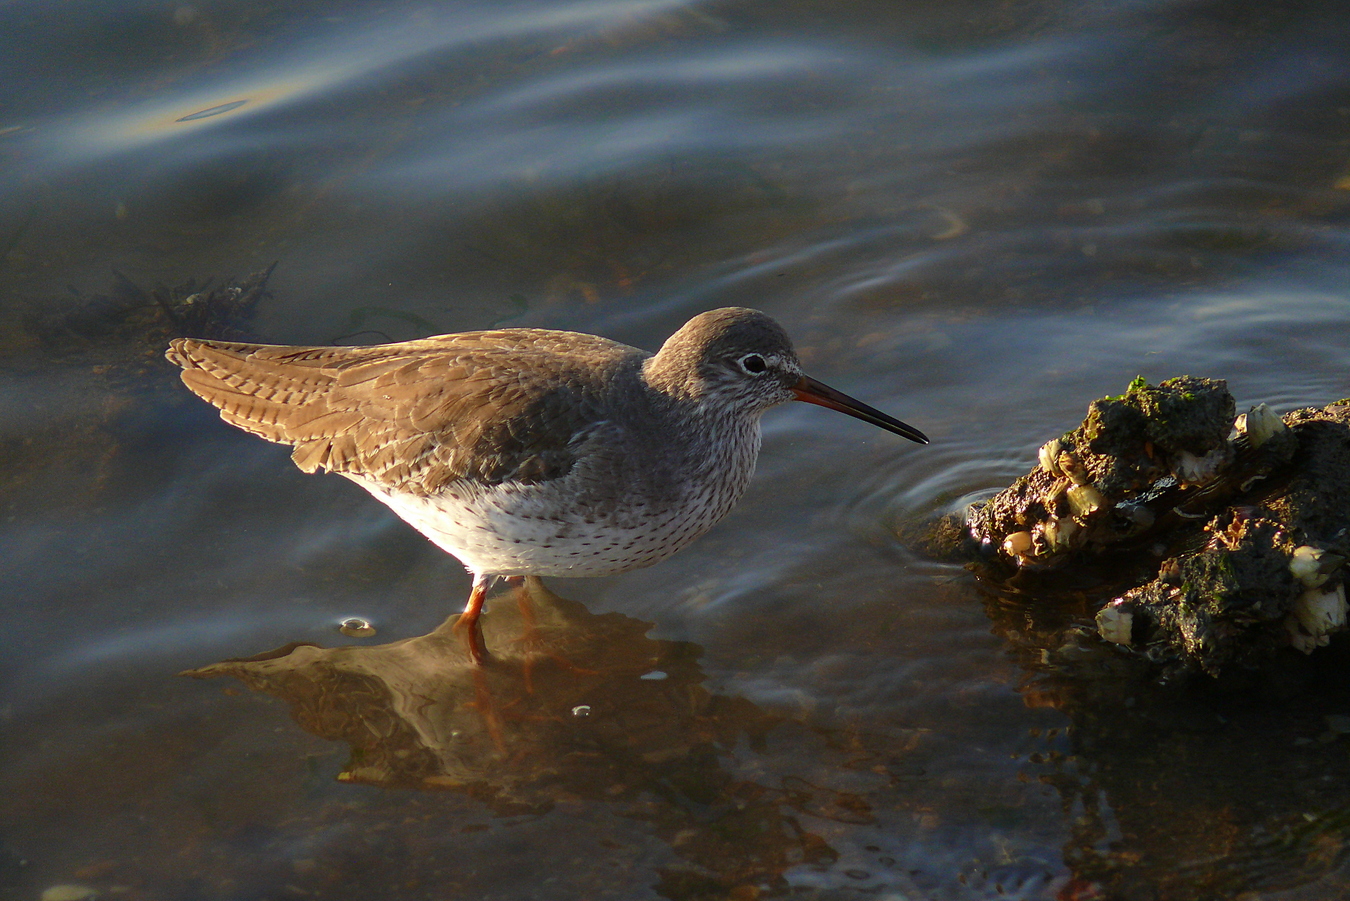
(753, 364)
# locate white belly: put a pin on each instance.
(618, 508)
(530, 530)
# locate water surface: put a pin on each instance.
(977, 217)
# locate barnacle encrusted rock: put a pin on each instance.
(1222, 604)
(1137, 463)
(1270, 572)
(1246, 519)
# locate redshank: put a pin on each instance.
(529, 452)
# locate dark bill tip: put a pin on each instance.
(813, 392)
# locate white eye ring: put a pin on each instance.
(754, 364)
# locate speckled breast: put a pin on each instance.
(559, 529)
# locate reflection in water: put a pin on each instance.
(579, 706)
(1160, 779)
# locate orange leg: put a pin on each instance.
(468, 620)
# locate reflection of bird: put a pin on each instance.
(527, 451)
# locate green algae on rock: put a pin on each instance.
(1245, 519)
(1136, 458)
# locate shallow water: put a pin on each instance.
(977, 217)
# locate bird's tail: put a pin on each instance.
(278, 393)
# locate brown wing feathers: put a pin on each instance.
(292, 396)
(270, 401)
(414, 416)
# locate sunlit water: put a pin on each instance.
(977, 218)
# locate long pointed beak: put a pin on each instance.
(813, 392)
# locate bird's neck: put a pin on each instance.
(673, 378)
(715, 438)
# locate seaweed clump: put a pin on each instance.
(1233, 529)
(129, 324)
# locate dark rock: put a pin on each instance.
(1165, 474)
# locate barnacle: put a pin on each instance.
(1049, 456)
(1138, 516)
(1315, 615)
(1053, 495)
(1115, 622)
(1084, 500)
(1306, 565)
(1072, 468)
(1018, 545)
(1059, 533)
(1259, 424)
(1192, 470)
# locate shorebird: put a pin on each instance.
(529, 452)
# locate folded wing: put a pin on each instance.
(481, 406)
